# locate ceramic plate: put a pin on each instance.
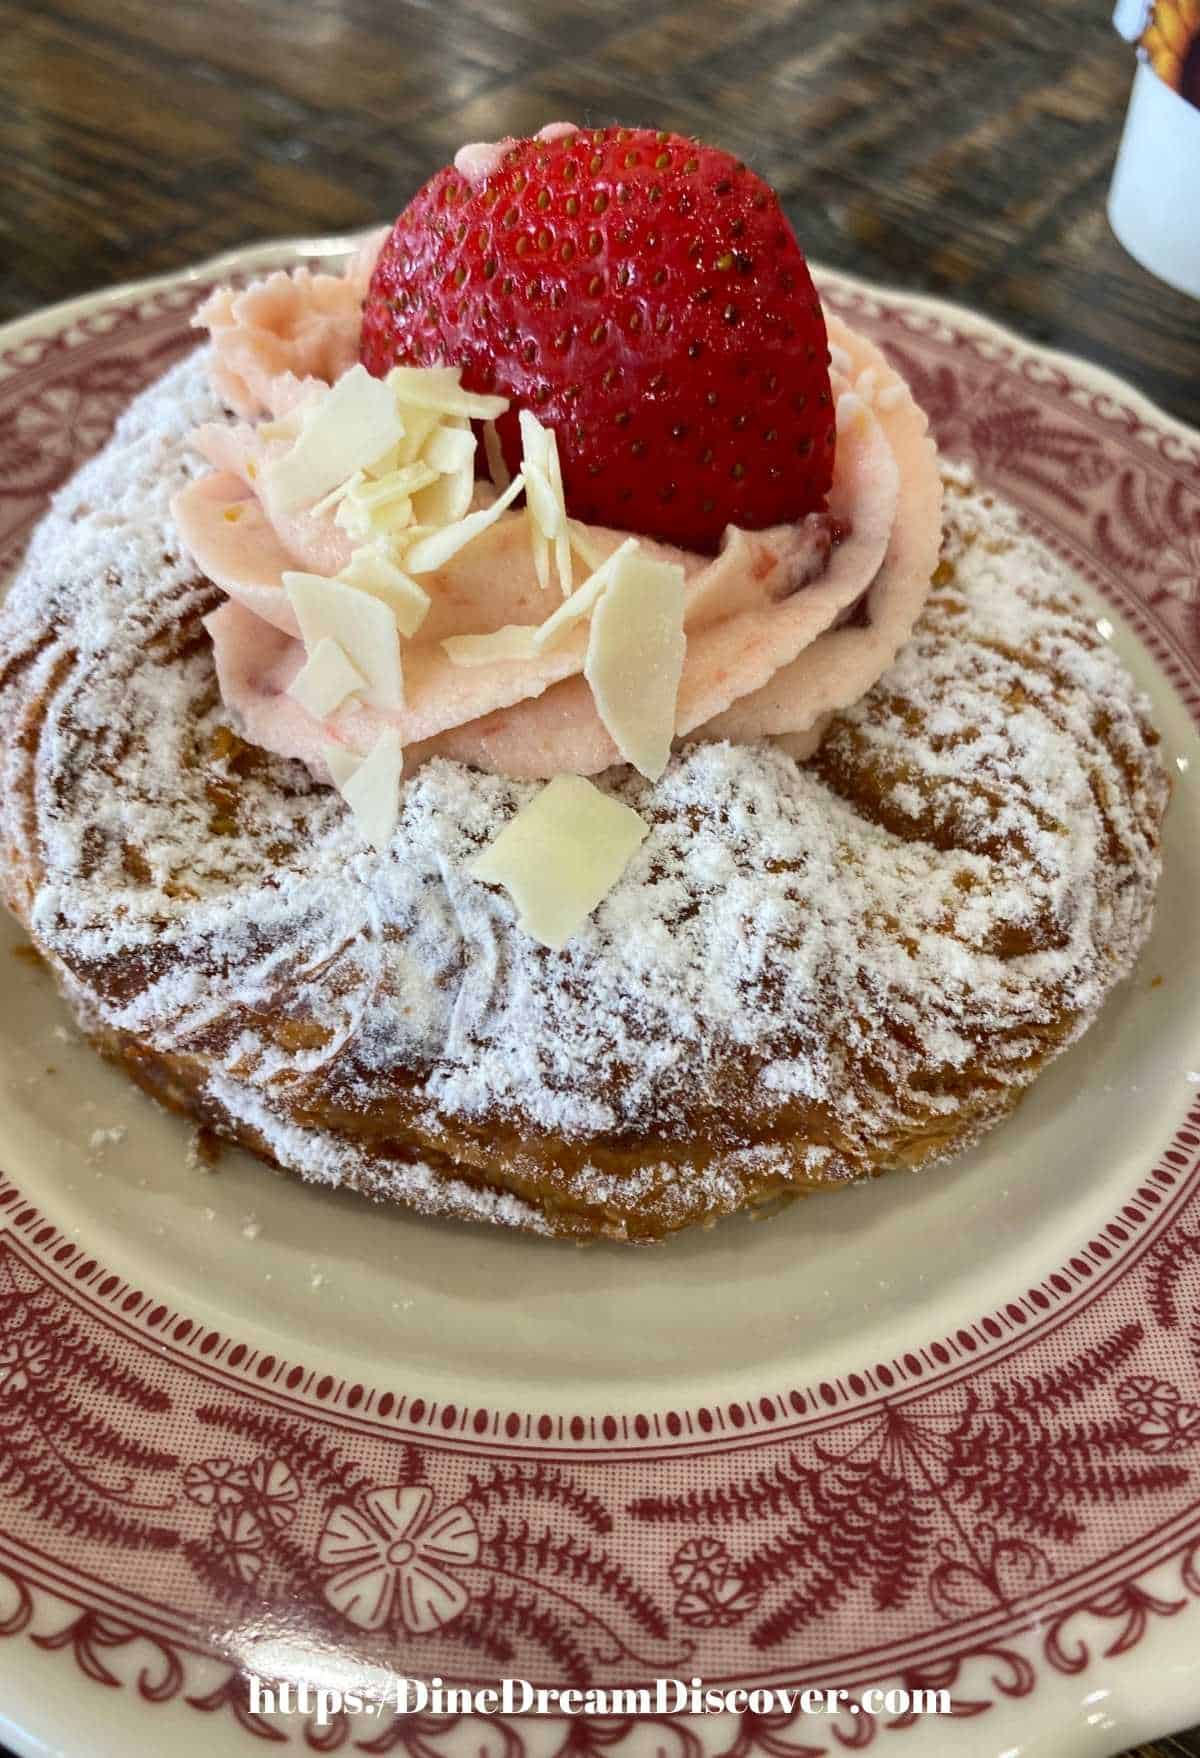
(938, 1433)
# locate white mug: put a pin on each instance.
(1154, 202)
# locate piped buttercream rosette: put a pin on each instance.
(783, 627)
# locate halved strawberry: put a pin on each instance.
(645, 296)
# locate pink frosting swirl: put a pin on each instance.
(784, 626)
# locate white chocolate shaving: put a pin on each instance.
(536, 490)
(513, 641)
(386, 520)
(426, 476)
(326, 679)
(329, 501)
(434, 549)
(361, 624)
(370, 570)
(376, 509)
(527, 640)
(635, 659)
(544, 497)
(348, 429)
(438, 388)
(419, 426)
(561, 856)
(581, 602)
(341, 763)
(450, 449)
(372, 791)
(446, 500)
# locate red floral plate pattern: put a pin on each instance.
(194, 1481)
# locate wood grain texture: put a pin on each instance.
(934, 143)
(947, 145)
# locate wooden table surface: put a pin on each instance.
(960, 147)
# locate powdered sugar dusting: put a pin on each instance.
(785, 937)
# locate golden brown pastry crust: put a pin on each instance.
(815, 975)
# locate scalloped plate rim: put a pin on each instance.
(1138, 1722)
